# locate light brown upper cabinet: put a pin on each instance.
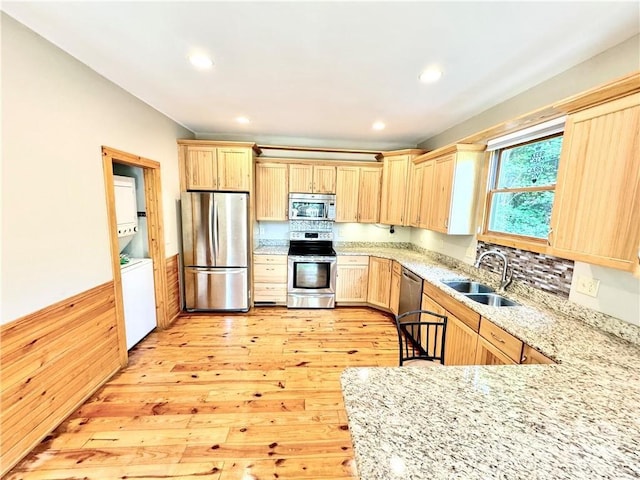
(395, 183)
(312, 178)
(596, 211)
(416, 192)
(358, 194)
(208, 166)
(272, 191)
(369, 195)
(444, 193)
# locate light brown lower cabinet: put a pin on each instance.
(352, 279)
(379, 291)
(461, 343)
(504, 342)
(530, 356)
(488, 354)
(270, 279)
(394, 295)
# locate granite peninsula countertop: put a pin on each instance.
(578, 419)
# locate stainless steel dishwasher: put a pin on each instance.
(410, 294)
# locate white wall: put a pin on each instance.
(461, 247)
(343, 232)
(56, 114)
(619, 293)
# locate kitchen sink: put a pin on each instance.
(492, 299)
(466, 286)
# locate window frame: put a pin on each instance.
(512, 239)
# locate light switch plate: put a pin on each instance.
(588, 286)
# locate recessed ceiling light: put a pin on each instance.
(243, 120)
(430, 75)
(200, 61)
(378, 126)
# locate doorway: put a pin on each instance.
(155, 236)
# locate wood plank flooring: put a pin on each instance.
(220, 397)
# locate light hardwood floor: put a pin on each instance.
(221, 397)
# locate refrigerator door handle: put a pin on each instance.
(210, 253)
(215, 271)
(216, 231)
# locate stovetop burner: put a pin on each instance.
(305, 247)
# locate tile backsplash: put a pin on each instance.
(547, 273)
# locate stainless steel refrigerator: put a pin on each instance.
(215, 248)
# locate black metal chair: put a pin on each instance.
(421, 340)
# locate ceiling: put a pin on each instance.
(326, 71)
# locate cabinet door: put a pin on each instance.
(200, 169)
(426, 197)
(324, 179)
(430, 305)
(596, 211)
(530, 356)
(351, 283)
(369, 195)
(394, 293)
(394, 189)
(487, 354)
(460, 343)
(441, 198)
(271, 191)
(300, 178)
(379, 282)
(347, 181)
(415, 195)
(234, 169)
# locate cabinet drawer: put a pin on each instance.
(504, 341)
(353, 260)
(270, 259)
(464, 313)
(270, 273)
(270, 290)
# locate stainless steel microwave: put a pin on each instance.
(311, 206)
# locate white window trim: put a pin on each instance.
(528, 134)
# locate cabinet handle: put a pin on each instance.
(549, 237)
(523, 359)
(310, 186)
(446, 223)
(496, 338)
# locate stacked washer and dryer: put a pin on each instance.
(138, 293)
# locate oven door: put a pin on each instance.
(311, 274)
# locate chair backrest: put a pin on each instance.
(421, 335)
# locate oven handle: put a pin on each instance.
(312, 258)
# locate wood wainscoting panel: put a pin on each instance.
(52, 360)
(173, 288)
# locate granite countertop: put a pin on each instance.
(577, 419)
(544, 422)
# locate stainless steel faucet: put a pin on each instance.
(506, 276)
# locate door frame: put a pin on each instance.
(155, 232)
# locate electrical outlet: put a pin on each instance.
(588, 286)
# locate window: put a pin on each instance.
(522, 188)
